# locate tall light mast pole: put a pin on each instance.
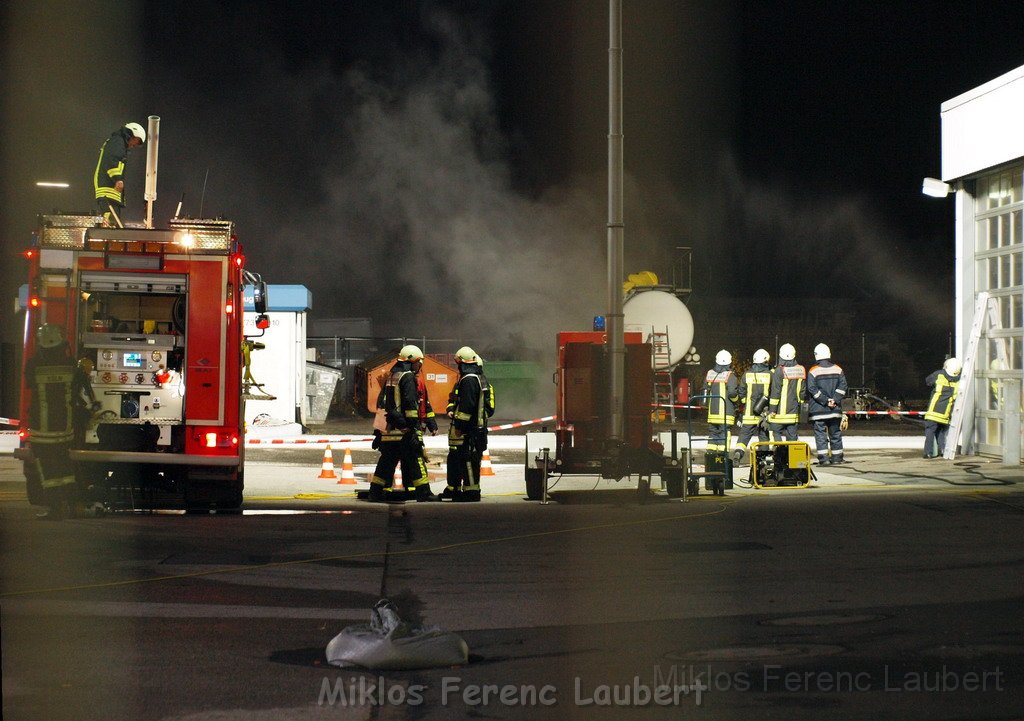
(614, 325)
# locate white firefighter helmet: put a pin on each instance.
(723, 358)
(49, 335)
(410, 353)
(822, 351)
(952, 366)
(787, 352)
(761, 356)
(137, 130)
(465, 354)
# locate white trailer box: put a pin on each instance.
(279, 367)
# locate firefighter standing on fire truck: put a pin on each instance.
(470, 404)
(753, 388)
(722, 391)
(408, 411)
(786, 394)
(108, 178)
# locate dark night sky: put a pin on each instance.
(441, 166)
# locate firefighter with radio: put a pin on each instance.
(945, 385)
(54, 381)
(470, 404)
(753, 391)
(785, 395)
(826, 390)
(722, 391)
(407, 412)
(108, 178)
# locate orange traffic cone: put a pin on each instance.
(397, 485)
(327, 470)
(485, 465)
(348, 475)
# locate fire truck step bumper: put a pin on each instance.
(165, 459)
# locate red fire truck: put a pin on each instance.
(158, 313)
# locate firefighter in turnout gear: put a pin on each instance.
(785, 395)
(722, 391)
(826, 389)
(108, 178)
(753, 392)
(407, 411)
(54, 381)
(946, 383)
(470, 404)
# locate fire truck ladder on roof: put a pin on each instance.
(661, 359)
(986, 315)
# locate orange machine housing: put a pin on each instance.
(583, 387)
(373, 373)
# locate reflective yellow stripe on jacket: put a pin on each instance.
(940, 407)
(753, 381)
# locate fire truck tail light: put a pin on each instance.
(34, 301)
(229, 307)
(211, 440)
(22, 433)
(234, 440)
(29, 254)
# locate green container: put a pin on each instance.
(521, 388)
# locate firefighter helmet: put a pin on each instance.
(787, 352)
(410, 353)
(952, 366)
(137, 130)
(49, 335)
(465, 354)
(822, 351)
(761, 356)
(723, 358)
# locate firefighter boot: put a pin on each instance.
(376, 494)
(423, 494)
(468, 496)
(823, 460)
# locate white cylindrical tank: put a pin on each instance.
(655, 311)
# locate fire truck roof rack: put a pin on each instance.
(76, 232)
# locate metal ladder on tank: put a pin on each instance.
(986, 315)
(661, 360)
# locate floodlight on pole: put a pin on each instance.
(935, 188)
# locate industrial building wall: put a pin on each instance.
(983, 157)
(998, 267)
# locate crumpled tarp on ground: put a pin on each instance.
(389, 643)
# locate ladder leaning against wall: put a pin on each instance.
(986, 315)
(661, 361)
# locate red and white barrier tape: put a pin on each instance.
(306, 441)
(885, 413)
(520, 424)
(9, 422)
(849, 413)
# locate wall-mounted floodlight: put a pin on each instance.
(935, 188)
(51, 184)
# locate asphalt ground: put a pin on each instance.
(888, 588)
